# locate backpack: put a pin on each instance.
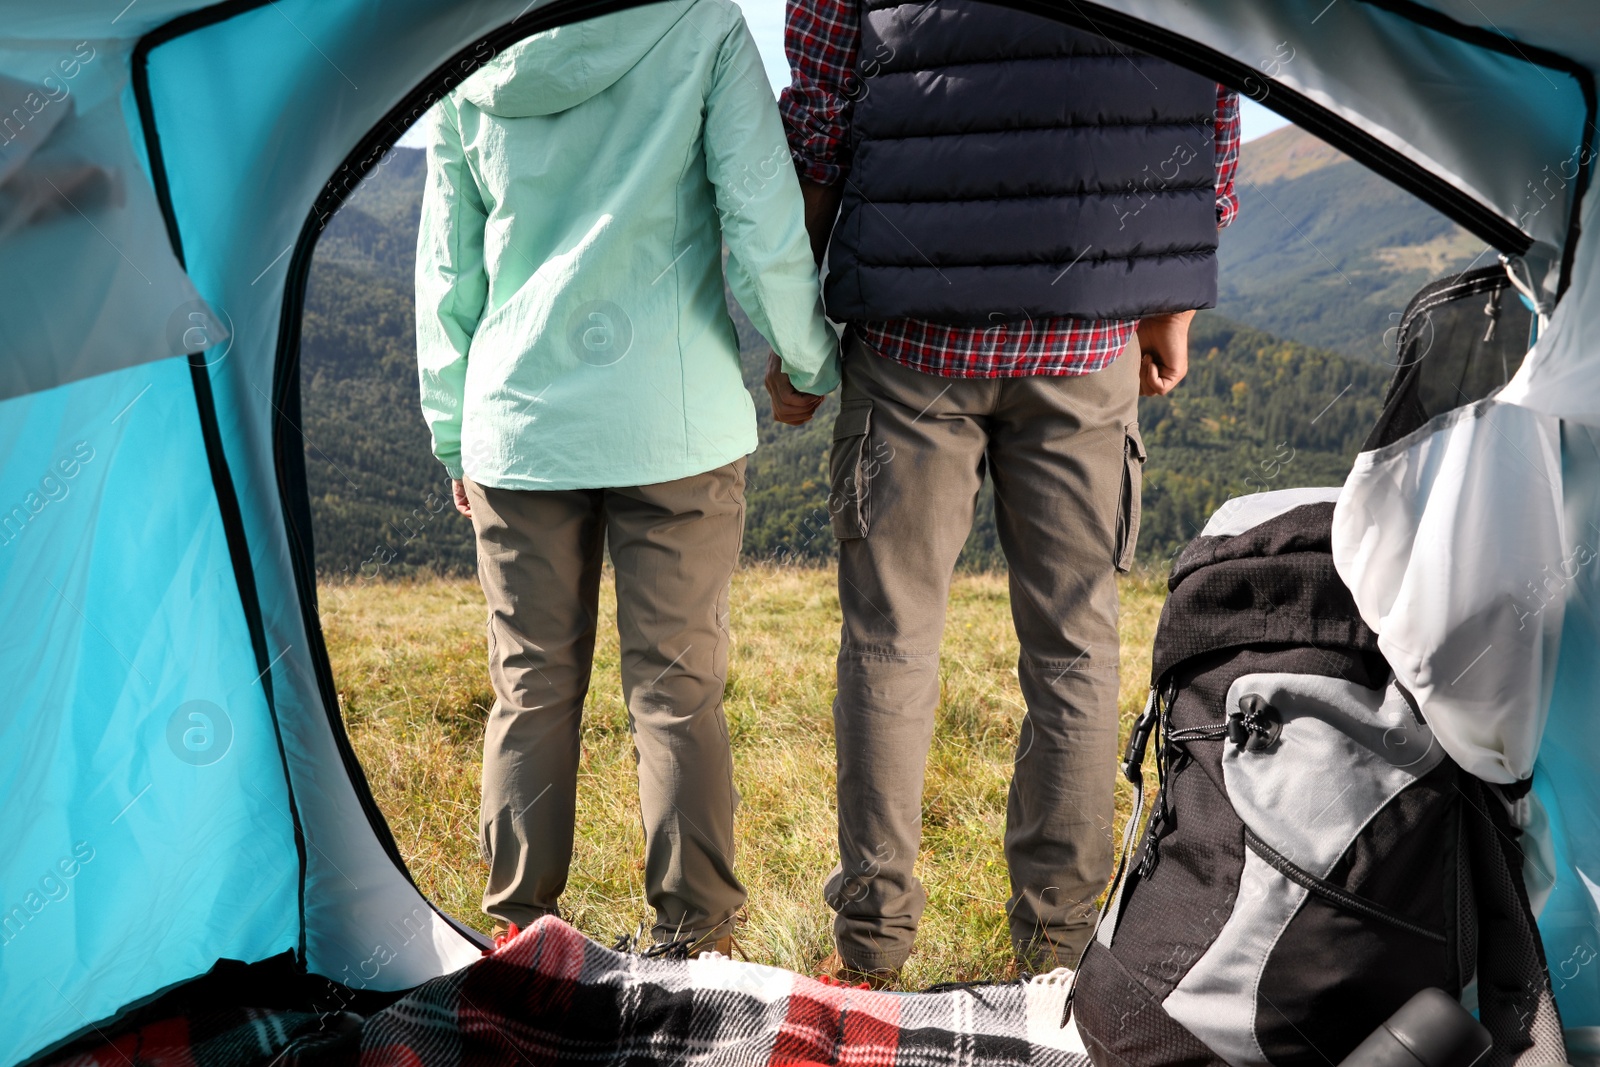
(1313, 858)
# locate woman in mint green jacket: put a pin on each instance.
(580, 376)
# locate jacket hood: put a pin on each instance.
(561, 68)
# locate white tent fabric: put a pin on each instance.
(74, 203)
(1561, 375)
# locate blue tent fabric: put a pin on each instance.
(174, 785)
(1564, 777)
(157, 834)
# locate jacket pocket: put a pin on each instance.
(1132, 486)
(848, 475)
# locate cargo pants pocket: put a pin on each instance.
(1133, 457)
(848, 474)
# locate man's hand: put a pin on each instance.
(459, 491)
(789, 405)
(1164, 352)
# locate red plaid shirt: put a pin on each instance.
(821, 38)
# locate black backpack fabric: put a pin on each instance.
(1461, 338)
(1312, 857)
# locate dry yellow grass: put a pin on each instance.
(410, 664)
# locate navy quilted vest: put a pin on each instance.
(1008, 167)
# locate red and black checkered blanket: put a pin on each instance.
(553, 996)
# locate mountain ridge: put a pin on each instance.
(1285, 153)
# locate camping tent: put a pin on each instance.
(175, 784)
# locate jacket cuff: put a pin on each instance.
(823, 382)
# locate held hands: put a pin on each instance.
(1164, 352)
(789, 405)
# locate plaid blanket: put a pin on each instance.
(553, 996)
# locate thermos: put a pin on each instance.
(1431, 1029)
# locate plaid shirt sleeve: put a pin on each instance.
(1227, 145)
(821, 38)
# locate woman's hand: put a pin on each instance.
(459, 491)
(789, 405)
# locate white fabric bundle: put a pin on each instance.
(1452, 541)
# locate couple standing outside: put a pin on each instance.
(1019, 220)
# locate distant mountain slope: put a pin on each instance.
(1255, 413)
(376, 230)
(1326, 252)
(1284, 154)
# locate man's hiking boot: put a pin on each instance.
(686, 947)
(834, 971)
(722, 946)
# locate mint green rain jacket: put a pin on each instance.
(571, 326)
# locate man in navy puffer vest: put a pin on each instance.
(1023, 219)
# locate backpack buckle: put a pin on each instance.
(1139, 739)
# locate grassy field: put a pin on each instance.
(410, 663)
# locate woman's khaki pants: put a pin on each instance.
(674, 546)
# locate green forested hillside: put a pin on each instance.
(376, 230)
(1256, 412)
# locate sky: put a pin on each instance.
(765, 19)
